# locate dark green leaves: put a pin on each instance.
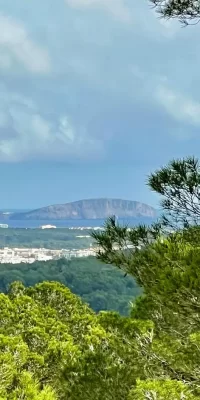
(187, 11)
(179, 186)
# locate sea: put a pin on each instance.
(91, 223)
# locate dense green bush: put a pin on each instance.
(52, 346)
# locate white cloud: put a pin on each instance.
(117, 8)
(169, 28)
(16, 46)
(180, 107)
(26, 134)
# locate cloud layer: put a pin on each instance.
(117, 8)
(178, 106)
(17, 48)
(95, 80)
(26, 134)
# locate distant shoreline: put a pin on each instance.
(73, 224)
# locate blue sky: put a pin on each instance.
(94, 94)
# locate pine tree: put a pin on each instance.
(187, 11)
(166, 265)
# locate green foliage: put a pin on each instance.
(161, 390)
(179, 186)
(187, 11)
(168, 271)
(166, 265)
(52, 346)
(52, 343)
(99, 285)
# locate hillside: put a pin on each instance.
(89, 209)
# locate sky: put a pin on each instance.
(94, 95)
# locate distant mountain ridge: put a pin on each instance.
(89, 209)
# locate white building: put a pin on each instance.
(48, 227)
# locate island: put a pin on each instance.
(89, 209)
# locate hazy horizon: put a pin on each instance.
(95, 198)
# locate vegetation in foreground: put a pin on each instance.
(53, 346)
(165, 262)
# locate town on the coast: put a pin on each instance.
(17, 255)
(29, 255)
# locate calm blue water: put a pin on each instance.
(74, 223)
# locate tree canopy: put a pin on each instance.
(54, 347)
(187, 11)
(178, 184)
(168, 271)
(166, 264)
(101, 286)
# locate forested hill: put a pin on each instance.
(102, 286)
(89, 209)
